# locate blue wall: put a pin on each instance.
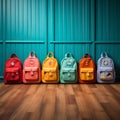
(77, 26)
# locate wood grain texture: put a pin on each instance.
(60, 102)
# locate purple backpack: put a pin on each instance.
(105, 69)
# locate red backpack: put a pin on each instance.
(32, 69)
(13, 70)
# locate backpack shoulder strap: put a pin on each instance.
(104, 54)
(32, 54)
(50, 55)
(86, 55)
(68, 55)
(13, 55)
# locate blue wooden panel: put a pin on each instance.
(7, 20)
(107, 20)
(26, 20)
(73, 20)
(1, 18)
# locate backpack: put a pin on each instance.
(13, 70)
(105, 69)
(50, 69)
(31, 69)
(68, 71)
(87, 70)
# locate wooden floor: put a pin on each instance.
(60, 102)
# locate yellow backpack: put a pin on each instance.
(50, 69)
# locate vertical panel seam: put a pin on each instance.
(54, 25)
(94, 37)
(4, 28)
(47, 26)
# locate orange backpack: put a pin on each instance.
(31, 69)
(87, 70)
(50, 69)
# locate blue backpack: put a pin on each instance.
(105, 69)
(68, 71)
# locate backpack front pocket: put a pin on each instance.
(12, 74)
(31, 73)
(50, 74)
(86, 74)
(69, 75)
(106, 75)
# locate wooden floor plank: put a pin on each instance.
(100, 115)
(111, 113)
(72, 111)
(60, 110)
(60, 102)
(116, 87)
(84, 110)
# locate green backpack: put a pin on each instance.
(68, 70)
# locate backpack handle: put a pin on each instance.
(50, 54)
(32, 54)
(87, 55)
(104, 54)
(68, 55)
(13, 55)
